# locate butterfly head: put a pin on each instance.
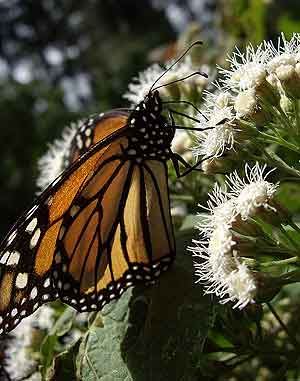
(151, 135)
(151, 103)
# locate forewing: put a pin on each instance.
(93, 130)
(27, 253)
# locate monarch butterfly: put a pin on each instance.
(103, 225)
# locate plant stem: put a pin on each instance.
(296, 105)
(289, 238)
(280, 141)
(277, 161)
(281, 262)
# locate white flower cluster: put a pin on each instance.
(219, 264)
(52, 163)
(18, 360)
(141, 85)
(255, 78)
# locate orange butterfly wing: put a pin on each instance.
(119, 233)
(27, 253)
(93, 130)
(101, 227)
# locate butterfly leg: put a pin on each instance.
(171, 112)
(177, 127)
(176, 158)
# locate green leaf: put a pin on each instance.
(289, 195)
(51, 345)
(151, 333)
(64, 323)
(63, 365)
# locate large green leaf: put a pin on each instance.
(63, 365)
(151, 333)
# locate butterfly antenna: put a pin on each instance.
(181, 79)
(174, 63)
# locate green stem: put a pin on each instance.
(296, 105)
(288, 237)
(178, 197)
(280, 141)
(282, 116)
(280, 262)
(274, 159)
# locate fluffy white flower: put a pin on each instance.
(253, 191)
(140, 85)
(221, 211)
(35, 377)
(53, 163)
(218, 100)
(43, 317)
(247, 70)
(18, 362)
(222, 273)
(220, 242)
(284, 65)
(241, 286)
(215, 142)
(286, 54)
(246, 103)
(218, 125)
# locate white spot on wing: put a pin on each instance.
(88, 142)
(11, 237)
(21, 280)
(31, 226)
(35, 238)
(4, 257)
(31, 211)
(33, 293)
(47, 282)
(13, 258)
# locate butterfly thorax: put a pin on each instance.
(150, 134)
